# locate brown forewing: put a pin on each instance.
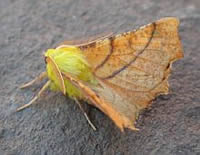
(133, 67)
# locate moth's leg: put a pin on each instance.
(46, 85)
(85, 114)
(38, 78)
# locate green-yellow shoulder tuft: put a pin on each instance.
(70, 60)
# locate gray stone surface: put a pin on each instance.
(56, 125)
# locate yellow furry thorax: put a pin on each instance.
(70, 59)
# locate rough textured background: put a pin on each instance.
(56, 125)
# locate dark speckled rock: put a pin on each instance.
(56, 125)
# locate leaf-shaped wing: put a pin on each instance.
(133, 68)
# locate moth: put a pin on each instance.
(119, 74)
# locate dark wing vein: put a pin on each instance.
(108, 56)
(134, 59)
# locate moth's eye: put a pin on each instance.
(45, 60)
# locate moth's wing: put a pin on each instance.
(108, 108)
(134, 67)
(55, 74)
